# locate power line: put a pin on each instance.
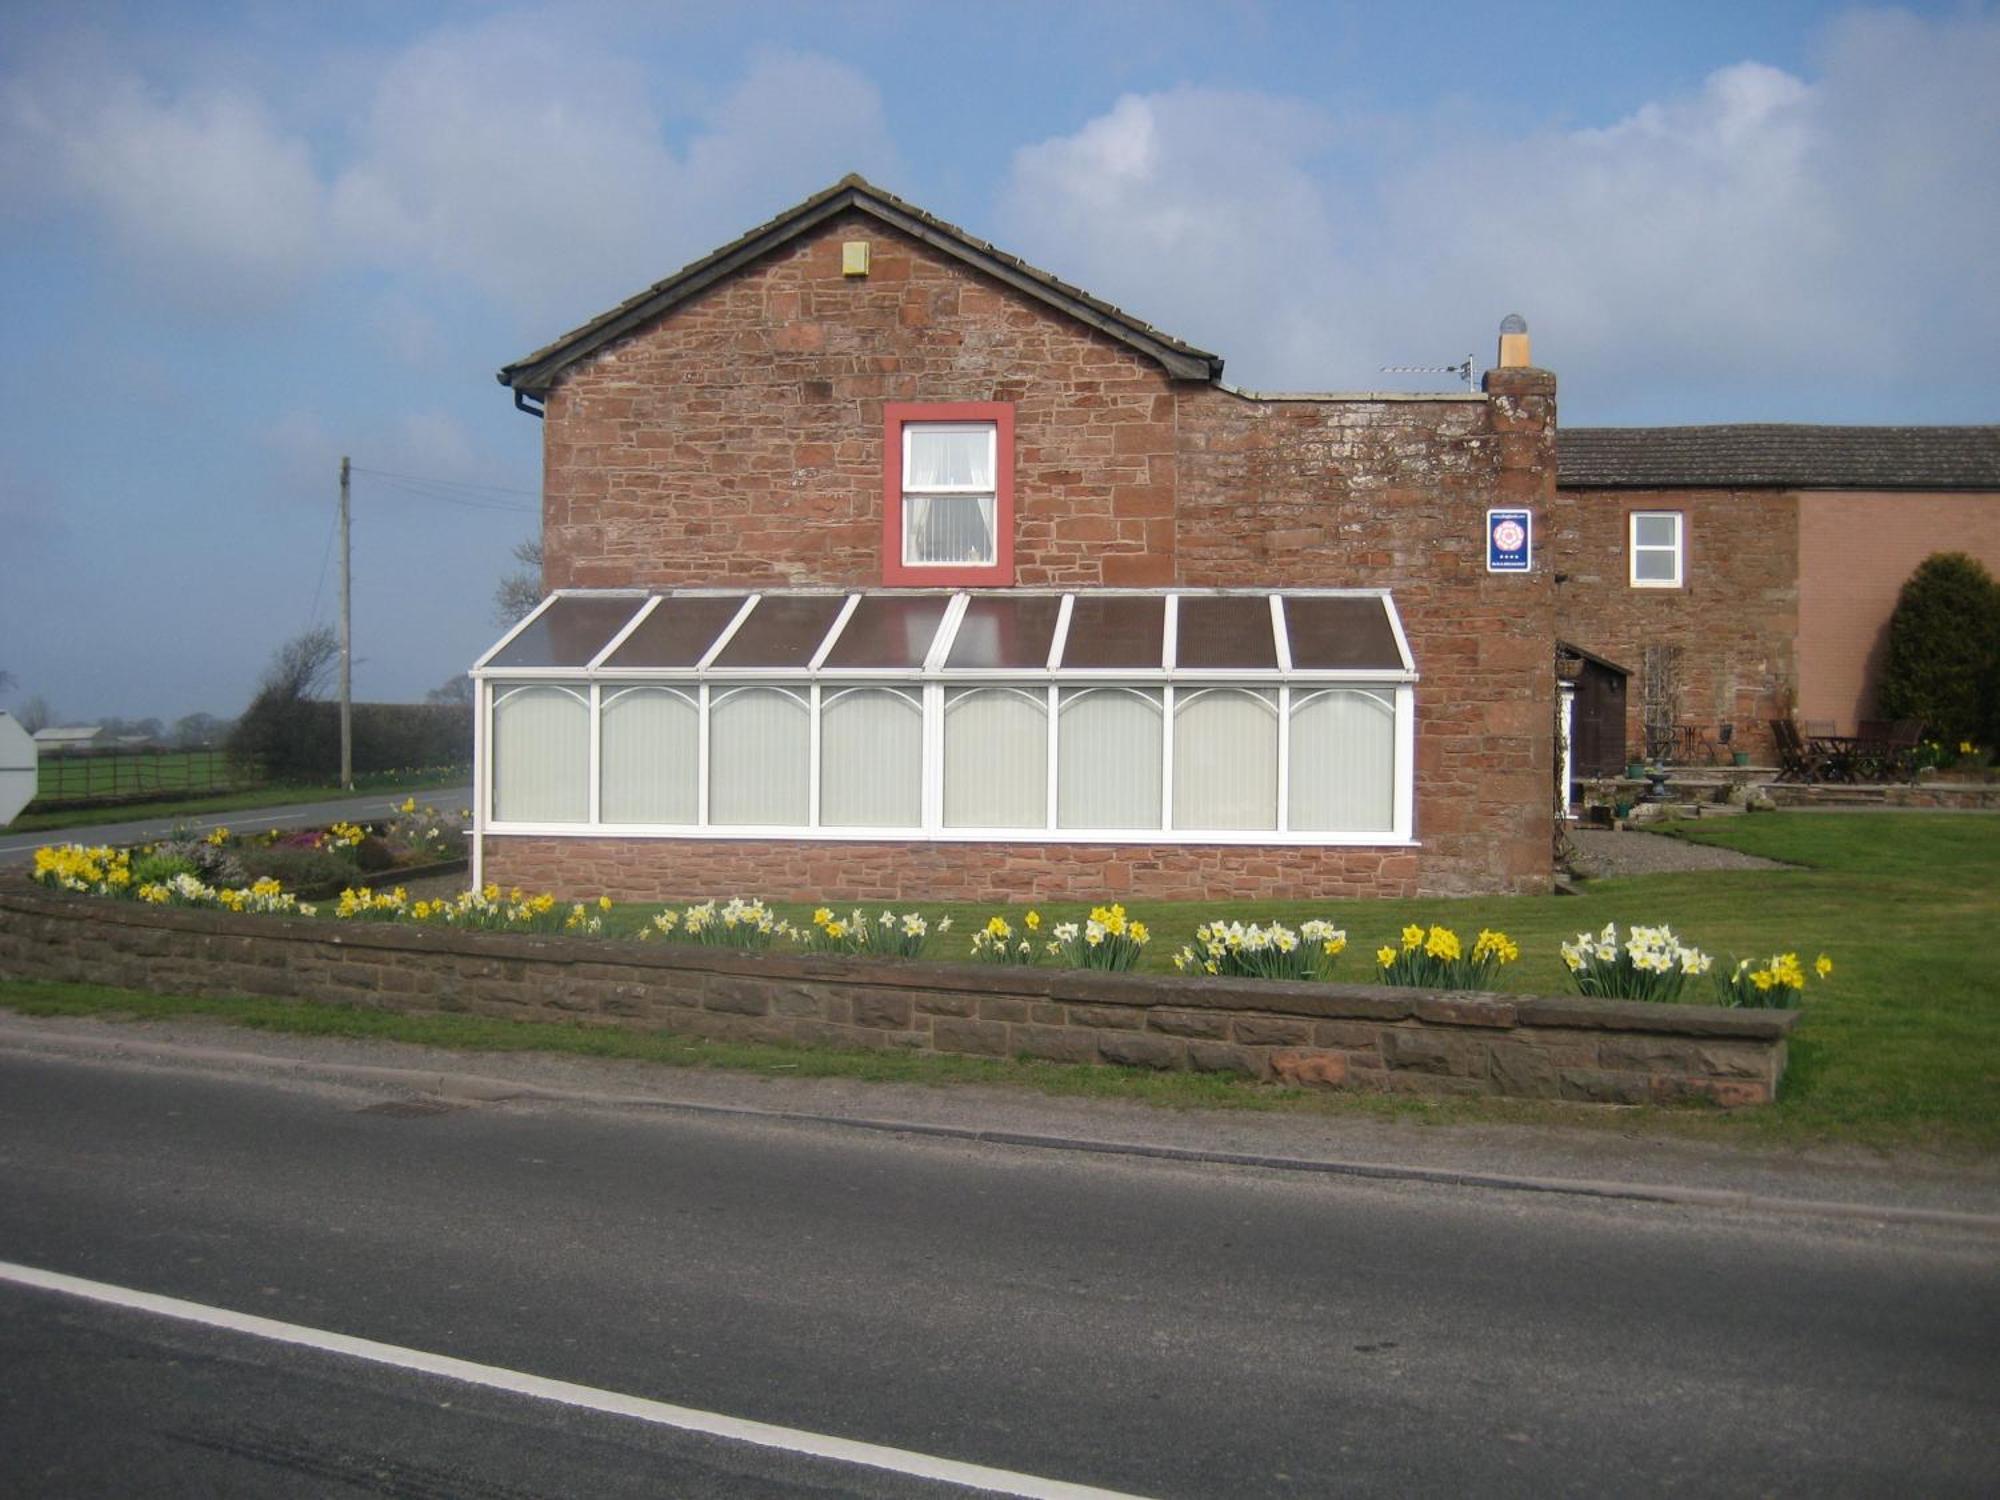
(452, 484)
(422, 491)
(325, 556)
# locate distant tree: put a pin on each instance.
(1943, 661)
(116, 728)
(520, 591)
(195, 731)
(277, 732)
(6, 681)
(35, 714)
(456, 689)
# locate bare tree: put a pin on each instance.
(452, 690)
(520, 591)
(35, 714)
(6, 680)
(300, 667)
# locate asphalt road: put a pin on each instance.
(1149, 1327)
(18, 848)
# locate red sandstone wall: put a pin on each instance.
(1734, 618)
(1358, 493)
(695, 869)
(739, 440)
(1856, 550)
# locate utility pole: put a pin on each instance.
(346, 643)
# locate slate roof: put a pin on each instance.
(1777, 455)
(534, 374)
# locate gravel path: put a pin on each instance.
(1605, 851)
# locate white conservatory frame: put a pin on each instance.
(1394, 687)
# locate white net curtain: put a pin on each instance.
(949, 490)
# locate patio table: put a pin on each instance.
(1839, 755)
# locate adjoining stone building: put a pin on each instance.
(1748, 572)
(887, 566)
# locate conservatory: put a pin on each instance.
(1157, 717)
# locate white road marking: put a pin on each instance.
(615, 1403)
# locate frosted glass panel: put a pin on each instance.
(996, 767)
(1343, 769)
(541, 754)
(948, 458)
(1108, 771)
(760, 748)
(1225, 758)
(1654, 564)
(871, 758)
(1655, 531)
(650, 742)
(948, 529)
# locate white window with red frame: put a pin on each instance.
(948, 494)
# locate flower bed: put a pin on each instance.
(1651, 965)
(1372, 1037)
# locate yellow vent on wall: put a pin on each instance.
(854, 258)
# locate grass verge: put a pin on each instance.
(202, 807)
(1900, 1050)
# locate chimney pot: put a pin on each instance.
(1514, 351)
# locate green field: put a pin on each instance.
(70, 777)
(1901, 1048)
(196, 804)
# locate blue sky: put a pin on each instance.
(238, 241)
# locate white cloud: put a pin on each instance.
(1191, 209)
(538, 167)
(207, 197)
(1763, 229)
(517, 157)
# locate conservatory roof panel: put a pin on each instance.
(1234, 631)
(568, 632)
(1162, 634)
(1116, 631)
(1005, 632)
(678, 632)
(782, 631)
(888, 630)
(1342, 632)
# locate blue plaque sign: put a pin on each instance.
(1510, 546)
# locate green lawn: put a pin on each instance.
(193, 806)
(1901, 1048)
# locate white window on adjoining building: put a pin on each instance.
(1658, 549)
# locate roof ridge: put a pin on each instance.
(534, 373)
(1787, 455)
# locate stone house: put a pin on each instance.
(886, 566)
(1747, 572)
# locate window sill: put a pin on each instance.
(1127, 836)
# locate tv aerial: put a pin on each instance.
(1463, 370)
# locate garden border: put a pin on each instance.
(1328, 1035)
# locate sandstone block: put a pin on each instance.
(1309, 1068)
(979, 1038)
(1139, 1050)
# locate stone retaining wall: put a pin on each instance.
(1328, 1035)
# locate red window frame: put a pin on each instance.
(896, 415)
